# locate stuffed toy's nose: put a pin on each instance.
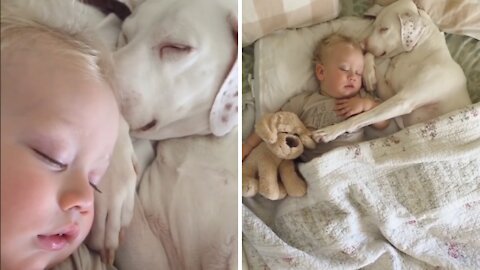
(292, 142)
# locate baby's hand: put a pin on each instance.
(347, 107)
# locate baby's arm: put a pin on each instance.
(250, 143)
(374, 103)
(351, 106)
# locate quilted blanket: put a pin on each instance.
(407, 201)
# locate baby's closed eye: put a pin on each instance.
(50, 161)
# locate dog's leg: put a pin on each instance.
(369, 73)
(393, 107)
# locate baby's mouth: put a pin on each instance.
(60, 239)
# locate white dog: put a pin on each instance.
(422, 80)
(177, 76)
(175, 53)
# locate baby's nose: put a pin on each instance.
(77, 196)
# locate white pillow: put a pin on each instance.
(260, 17)
(283, 61)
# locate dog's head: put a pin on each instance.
(176, 68)
(398, 28)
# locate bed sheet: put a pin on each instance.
(407, 201)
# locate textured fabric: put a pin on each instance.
(261, 17)
(460, 17)
(407, 201)
(83, 259)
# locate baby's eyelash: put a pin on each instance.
(95, 187)
(61, 166)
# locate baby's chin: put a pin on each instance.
(57, 257)
(349, 93)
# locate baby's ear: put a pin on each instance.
(320, 71)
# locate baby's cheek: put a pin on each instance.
(85, 226)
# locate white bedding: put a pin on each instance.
(407, 201)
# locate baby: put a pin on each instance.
(338, 67)
(59, 122)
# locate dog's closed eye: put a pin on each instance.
(383, 29)
(173, 50)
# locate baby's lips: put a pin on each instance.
(59, 239)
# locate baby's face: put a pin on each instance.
(340, 74)
(58, 129)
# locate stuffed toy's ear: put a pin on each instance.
(307, 141)
(411, 29)
(224, 113)
(266, 128)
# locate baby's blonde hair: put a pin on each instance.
(24, 26)
(328, 42)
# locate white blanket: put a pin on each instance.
(407, 201)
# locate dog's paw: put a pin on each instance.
(327, 134)
(114, 205)
(369, 73)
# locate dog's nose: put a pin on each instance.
(365, 44)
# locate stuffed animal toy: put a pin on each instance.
(284, 137)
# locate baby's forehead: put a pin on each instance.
(65, 48)
(38, 72)
(342, 52)
(344, 48)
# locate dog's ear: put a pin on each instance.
(223, 116)
(224, 113)
(307, 141)
(132, 4)
(411, 29)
